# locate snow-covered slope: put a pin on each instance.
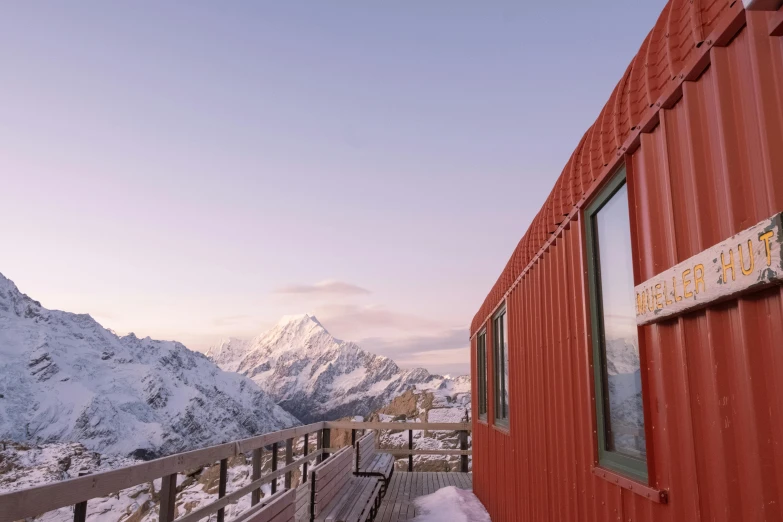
(65, 378)
(315, 376)
(24, 467)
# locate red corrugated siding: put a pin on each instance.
(702, 168)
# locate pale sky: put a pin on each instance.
(196, 170)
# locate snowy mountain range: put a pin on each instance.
(315, 376)
(65, 378)
(625, 394)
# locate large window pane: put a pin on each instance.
(621, 375)
(500, 356)
(481, 367)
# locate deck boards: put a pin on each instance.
(405, 487)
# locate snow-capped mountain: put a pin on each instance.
(625, 393)
(65, 378)
(315, 376)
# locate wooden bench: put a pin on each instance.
(337, 495)
(303, 502)
(277, 508)
(372, 463)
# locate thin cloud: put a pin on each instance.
(451, 362)
(353, 320)
(331, 287)
(447, 352)
(418, 345)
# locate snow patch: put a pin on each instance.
(451, 504)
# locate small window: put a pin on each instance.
(481, 367)
(618, 384)
(500, 357)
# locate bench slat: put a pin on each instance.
(323, 497)
(365, 501)
(338, 494)
(287, 515)
(338, 460)
(383, 464)
(357, 497)
(366, 447)
(330, 475)
(345, 499)
(280, 509)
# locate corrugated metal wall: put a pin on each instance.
(702, 168)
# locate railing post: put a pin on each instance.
(326, 441)
(319, 443)
(306, 451)
(410, 447)
(353, 437)
(289, 459)
(255, 497)
(80, 509)
(221, 514)
(168, 498)
(274, 466)
(80, 512)
(463, 445)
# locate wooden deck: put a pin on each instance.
(405, 487)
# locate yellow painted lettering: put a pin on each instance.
(742, 262)
(686, 282)
(765, 238)
(666, 295)
(728, 265)
(698, 277)
(658, 296)
(677, 298)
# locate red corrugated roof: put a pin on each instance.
(678, 33)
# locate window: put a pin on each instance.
(481, 367)
(500, 358)
(618, 384)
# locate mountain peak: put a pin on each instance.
(116, 394)
(298, 319)
(299, 326)
(6, 285)
(312, 374)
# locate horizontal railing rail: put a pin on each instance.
(78, 491)
(461, 427)
(399, 426)
(49, 497)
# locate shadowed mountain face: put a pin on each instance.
(65, 378)
(315, 376)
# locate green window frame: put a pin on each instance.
(481, 369)
(634, 467)
(500, 360)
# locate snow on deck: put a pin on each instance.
(450, 504)
(407, 489)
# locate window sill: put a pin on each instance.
(483, 421)
(660, 496)
(505, 430)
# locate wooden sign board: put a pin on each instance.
(748, 261)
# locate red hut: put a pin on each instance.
(628, 363)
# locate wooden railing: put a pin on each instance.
(78, 491)
(462, 428)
